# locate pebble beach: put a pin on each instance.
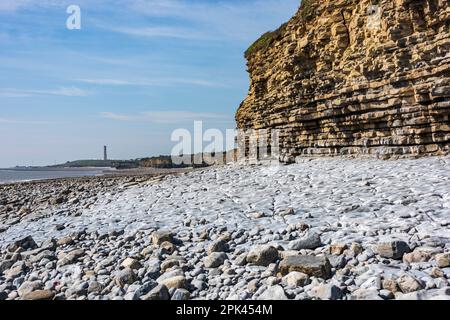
(320, 229)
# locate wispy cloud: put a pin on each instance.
(63, 91)
(168, 117)
(235, 20)
(17, 121)
(160, 32)
(163, 82)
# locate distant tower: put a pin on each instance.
(105, 153)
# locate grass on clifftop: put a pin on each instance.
(307, 9)
(307, 12)
(265, 41)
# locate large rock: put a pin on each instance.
(311, 265)
(326, 292)
(275, 293)
(28, 287)
(177, 282)
(393, 249)
(443, 260)
(310, 242)
(39, 295)
(124, 277)
(158, 293)
(26, 243)
(262, 255)
(131, 263)
(218, 246)
(215, 259)
(295, 279)
(161, 236)
(409, 284)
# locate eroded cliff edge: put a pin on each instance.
(354, 77)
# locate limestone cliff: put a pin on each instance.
(354, 76)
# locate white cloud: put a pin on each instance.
(236, 20)
(162, 82)
(15, 121)
(168, 117)
(115, 116)
(160, 32)
(63, 91)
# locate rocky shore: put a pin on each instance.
(319, 229)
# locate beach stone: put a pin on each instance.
(65, 241)
(218, 246)
(295, 279)
(167, 247)
(366, 294)
(124, 277)
(159, 237)
(310, 242)
(28, 287)
(159, 293)
(274, 293)
(390, 285)
(408, 284)
(95, 287)
(181, 295)
(39, 295)
(71, 257)
(6, 264)
(338, 249)
(262, 255)
(286, 212)
(443, 260)
(26, 243)
(215, 260)
(326, 292)
(356, 248)
(416, 256)
(131, 263)
(177, 282)
(436, 294)
(311, 265)
(393, 250)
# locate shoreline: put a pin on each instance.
(107, 173)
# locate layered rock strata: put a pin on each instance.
(354, 77)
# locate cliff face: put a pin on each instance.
(354, 77)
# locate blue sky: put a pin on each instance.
(137, 70)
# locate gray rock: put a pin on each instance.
(26, 243)
(218, 246)
(215, 259)
(311, 265)
(326, 292)
(295, 279)
(29, 286)
(275, 293)
(160, 292)
(309, 242)
(409, 284)
(262, 255)
(124, 277)
(393, 250)
(159, 237)
(181, 295)
(366, 294)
